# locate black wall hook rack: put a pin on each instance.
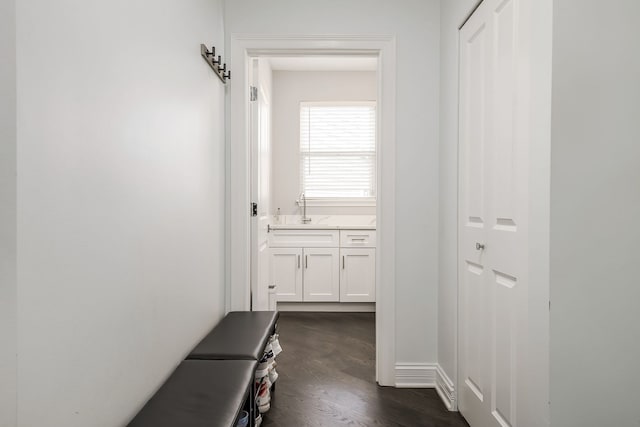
(215, 64)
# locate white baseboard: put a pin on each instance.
(416, 375)
(344, 307)
(446, 389)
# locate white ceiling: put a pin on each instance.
(323, 63)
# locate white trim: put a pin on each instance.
(416, 375)
(328, 307)
(446, 389)
(238, 195)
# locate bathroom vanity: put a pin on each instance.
(323, 262)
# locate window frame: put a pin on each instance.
(340, 201)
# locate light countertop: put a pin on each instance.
(324, 222)
(320, 227)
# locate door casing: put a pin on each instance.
(238, 238)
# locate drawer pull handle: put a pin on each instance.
(358, 238)
(298, 262)
(306, 261)
(343, 262)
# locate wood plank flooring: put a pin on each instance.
(327, 378)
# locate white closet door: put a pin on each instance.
(492, 223)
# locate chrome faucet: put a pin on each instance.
(304, 219)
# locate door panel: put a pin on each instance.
(357, 275)
(492, 225)
(475, 390)
(505, 327)
(286, 273)
(504, 179)
(475, 78)
(321, 275)
(476, 310)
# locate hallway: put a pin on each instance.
(327, 378)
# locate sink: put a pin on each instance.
(297, 220)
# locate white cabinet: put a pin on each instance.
(323, 265)
(321, 279)
(309, 274)
(285, 271)
(358, 275)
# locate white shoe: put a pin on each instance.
(264, 398)
(275, 344)
(258, 420)
(262, 369)
(264, 408)
(265, 380)
(273, 375)
(268, 352)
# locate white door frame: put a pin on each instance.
(238, 238)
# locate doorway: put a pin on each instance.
(243, 50)
(314, 235)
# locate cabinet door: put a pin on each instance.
(321, 275)
(285, 271)
(358, 275)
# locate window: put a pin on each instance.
(338, 151)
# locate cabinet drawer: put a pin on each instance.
(358, 238)
(304, 238)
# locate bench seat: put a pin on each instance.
(240, 335)
(200, 393)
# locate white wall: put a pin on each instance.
(120, 202)
(415, 23)
(8, 339)
(289, 89)
(452, 15)
(595, 206)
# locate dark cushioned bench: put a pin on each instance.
(240, 335)
(207, 393)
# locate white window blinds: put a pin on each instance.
(338, 150)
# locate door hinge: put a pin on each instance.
(253, 93)
(254, 209)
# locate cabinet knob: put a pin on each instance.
(479, 246)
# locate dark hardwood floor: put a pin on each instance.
(327, 378)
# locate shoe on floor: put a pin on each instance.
(273, 375)
(275, 344)
(264, 398)
(263, 366)
(266, 380)
(268, 351)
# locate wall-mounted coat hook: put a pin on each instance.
(210, 56)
